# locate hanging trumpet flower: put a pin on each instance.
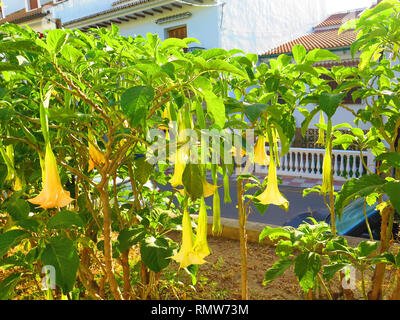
(186, 255)
(180, 163)
(271, 194)
(201, 246)
(260, 156)
(208, 188)
(321, 133)
(53, 195)
(327, 179)
(216, 228)
(95, 156)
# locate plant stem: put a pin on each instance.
(104, 198)
(243, 240)
(379, 273)
(321, 281)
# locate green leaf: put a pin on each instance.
(366, 56)
(273, 233)
(329, 102)
(306, 122)
(299, 53)
(155, 253)
(18, 209)
(8, 285)
(192, 181)
(173, 43)
(64, 220)
(389, 159)
(135, 103)
(10, 239)
(317, 55)
(277, 270)
(56, 39)
(365, 248)
(330, 270)
(20, 45)
(222, 65)
(61, 253)
(131, 236)
(392, 189)
(216, 106)
(143, 170)
(213, 52)
(353, 188)
(254, 111)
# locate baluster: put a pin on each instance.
(354, 166)
(335, 165)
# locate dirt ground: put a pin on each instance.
(220, 278)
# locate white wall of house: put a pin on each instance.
(202, 25)
(10, 6)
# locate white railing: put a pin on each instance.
(307, 163)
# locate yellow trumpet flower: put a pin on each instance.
(216, 228)
(53, 194)
(95, 156)
(321, 133)
(260, 156)
(180, 163)
(208, 189)
(271, 194)
(186, 255)
(201, 246)
(326, 171)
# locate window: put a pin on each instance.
(33, 4)
(180, 32)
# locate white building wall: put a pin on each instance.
(202, 25)
(10, 6)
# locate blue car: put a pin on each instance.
(352, 222)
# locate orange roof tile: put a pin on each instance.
(23, 15)
(338, 19)
(326, 39)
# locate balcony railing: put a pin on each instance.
(307, 163)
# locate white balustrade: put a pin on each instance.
(307, 163)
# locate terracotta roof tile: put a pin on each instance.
(326, 39)
(338, 19)
(23, 15)
(324, 36)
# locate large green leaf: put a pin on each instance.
(135, 103)
(173, 43)
(11, 238)
(192, 181)
(18, 209)
(56, 39)
(254, 111)
(8, 284)
(353, 188)
(64, 220)
(317, 55)
(20, 45)
(216, 106)
(61, 253)
(130, 236)
(222, 65)
(392, 189)
(278, 269)
(329, 102)
(143, 170)
(155, 253)
(299, 53)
